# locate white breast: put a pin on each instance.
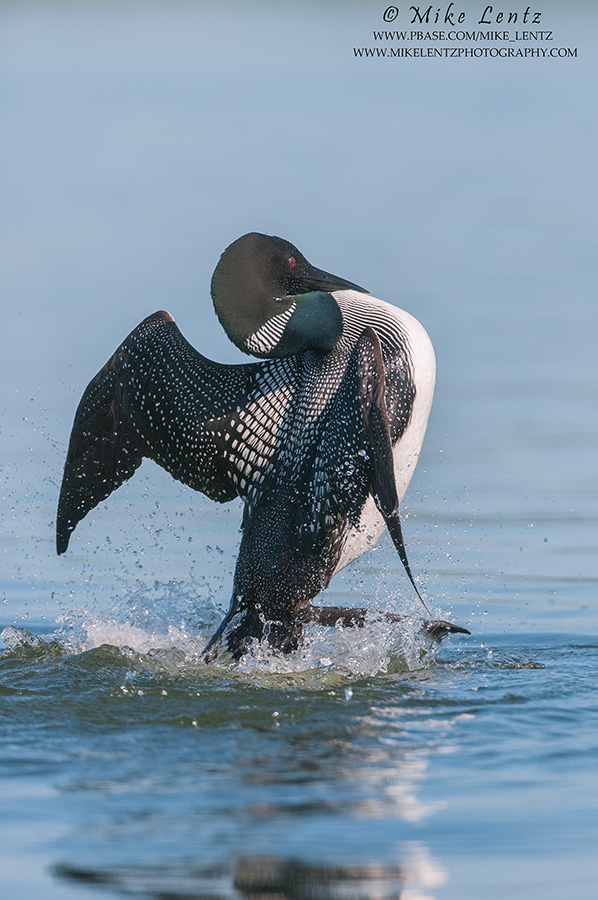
(384, 319)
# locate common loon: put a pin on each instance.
(319, 439)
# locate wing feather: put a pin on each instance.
(371, 391)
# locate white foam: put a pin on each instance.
(326, 654)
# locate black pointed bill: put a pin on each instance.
(318, 280)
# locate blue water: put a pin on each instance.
(138, 140)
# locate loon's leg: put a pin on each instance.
(351, 617)
(289, 638)
(211, 648)
(438, 629)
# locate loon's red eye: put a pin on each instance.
(292, 262)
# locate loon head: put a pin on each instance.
(272, 302)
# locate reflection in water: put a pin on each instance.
(379, 785)
(257, 877)
(372, 768)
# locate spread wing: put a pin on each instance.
(211, 426)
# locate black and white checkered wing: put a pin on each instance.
(211, 426)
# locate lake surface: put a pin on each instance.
(139, 140)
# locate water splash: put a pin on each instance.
(326, 654)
